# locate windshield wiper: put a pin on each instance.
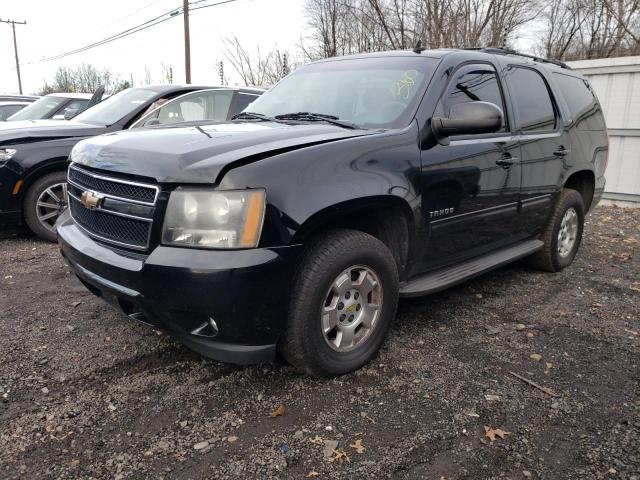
(253, 116)
(317, 117)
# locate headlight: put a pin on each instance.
(6, 154)
(214, 219)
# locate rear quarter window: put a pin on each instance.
(581, 101)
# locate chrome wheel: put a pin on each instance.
(568, 232)
(51, 203)
(352, 308)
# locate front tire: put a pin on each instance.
(344, 298)
(563, 234)
(43, 204)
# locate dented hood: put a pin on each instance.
(199, 154)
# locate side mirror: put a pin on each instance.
(467, 119)
(69, 114)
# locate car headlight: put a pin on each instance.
(6, 154)
(214, 219)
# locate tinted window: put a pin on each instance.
(243, 100)
(581, 101)
(531, 98)
(472, 83)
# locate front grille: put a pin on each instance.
(109, 219)
(114, 187)
(122, 230)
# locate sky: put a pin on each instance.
(55, 27)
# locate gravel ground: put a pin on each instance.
(86, 393)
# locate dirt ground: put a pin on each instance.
(87, 393)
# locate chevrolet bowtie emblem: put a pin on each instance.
(91, 200)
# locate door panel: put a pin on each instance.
(470, 188)
(469, 202)
(544, 145)
(541, 169)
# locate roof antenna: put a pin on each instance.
(419, 48)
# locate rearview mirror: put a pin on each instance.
(467, 119)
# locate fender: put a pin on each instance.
(309, 187)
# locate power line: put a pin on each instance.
(210, 5)
(117, 36)
(130, 31)
(129, 15)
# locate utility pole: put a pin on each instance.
(15, 48)
(187, 41)
(221, 72)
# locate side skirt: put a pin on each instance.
(446, 277)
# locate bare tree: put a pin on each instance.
(564, 20)
(350, 26)
(257, 69)
(577, 29)
(84, 78)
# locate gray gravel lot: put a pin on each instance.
(86, 393)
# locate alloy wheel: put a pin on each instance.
(352, 308)
(51, 203)
(568, 232)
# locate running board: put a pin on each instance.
(444, 278)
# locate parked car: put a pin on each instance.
(55, 106)
(352, 182)
(19, 98)
(8, 108)
(33, 155)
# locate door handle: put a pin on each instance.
(506, 160)
(561, 151)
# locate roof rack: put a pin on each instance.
(508, 51)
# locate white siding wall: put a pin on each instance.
(616, 81)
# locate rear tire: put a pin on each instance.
(563, 234)
(43, 204)
(344, 298)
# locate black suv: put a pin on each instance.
(354, 181)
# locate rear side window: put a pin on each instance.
(531, 99)
(472, 83)
(581, 102)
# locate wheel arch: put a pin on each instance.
(388, 218)
(583, 181)
(31, 175)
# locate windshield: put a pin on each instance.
(116, 107)
(370, 92)
(38, 109)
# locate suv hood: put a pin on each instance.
(200, 154)
(40, 130)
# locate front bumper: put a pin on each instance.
(225, 305)
(10, 204)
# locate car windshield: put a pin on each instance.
(38, 109)
(371, 92)
(116, 106)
